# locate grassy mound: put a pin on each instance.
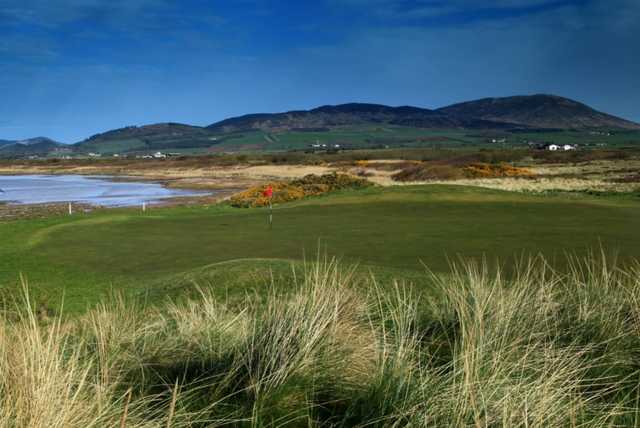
(426, 172)
(541, 349)
(485, 170)
(438, 171)
(310, 185)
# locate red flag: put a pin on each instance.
(268, 192)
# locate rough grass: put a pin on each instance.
(538, 349)
(423, 172)
(442, 171)
(632, 178)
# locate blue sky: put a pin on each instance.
(73, 68)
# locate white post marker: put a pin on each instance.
(70, 209)
(144, 206)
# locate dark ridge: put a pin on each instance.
(537, 111)
(523, 112)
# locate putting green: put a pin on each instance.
(398, 228)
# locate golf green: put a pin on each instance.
(397, 228)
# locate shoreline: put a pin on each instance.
(11, 210)
(227, 179)
(173, 175)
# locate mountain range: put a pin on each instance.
(33, 146)
(516, 113)
(533, 111)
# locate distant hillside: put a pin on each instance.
(327, 117)
(534, 111)
(354, 125)
(537, 111)
(158, 136)
(40, 146)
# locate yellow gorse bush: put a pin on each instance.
(310, 185)
(430, 171)
(485, 170)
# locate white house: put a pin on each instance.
(556, 147)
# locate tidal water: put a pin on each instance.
(40, 189)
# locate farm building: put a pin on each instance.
(562, 147)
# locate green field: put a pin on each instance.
(356, 137)
(392, 230)
(369, 137)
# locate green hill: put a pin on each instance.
(161, 136)
(354, 125)
(39, 146)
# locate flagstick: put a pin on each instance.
(268, 193)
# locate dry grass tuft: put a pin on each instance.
(538, 348)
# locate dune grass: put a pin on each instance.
(541, 348)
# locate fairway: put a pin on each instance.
(396, 228)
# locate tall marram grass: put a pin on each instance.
(536, 348)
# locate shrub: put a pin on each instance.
(484, 170)
(310, 185)
(439, 171)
